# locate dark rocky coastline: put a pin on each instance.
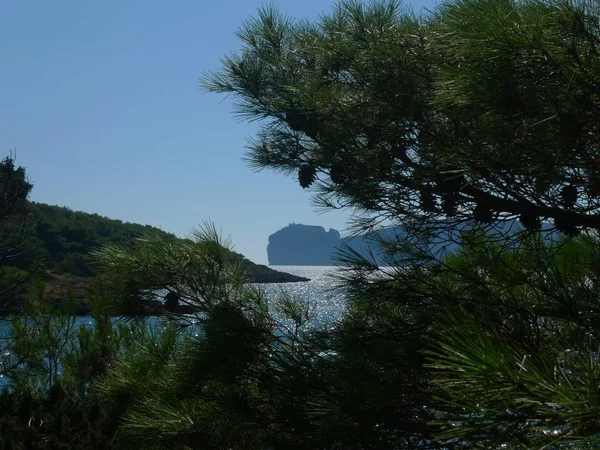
(58, 285)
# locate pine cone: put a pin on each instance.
(337, 175)
(530, 222)
(566, 227)
(306, 122)
(483, 214)
(449, 204)
(295, 120)
(427, 200)
(307, 175)
(569, 195)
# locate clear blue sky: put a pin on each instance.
(100, 99)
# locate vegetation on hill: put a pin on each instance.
(62, 239)
(14, 191)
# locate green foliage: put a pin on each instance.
(216, 374)
(219, 377)
(14, 190)
(526, 371)
(482, 110)
(40, 338)
(479, 110)
(12, 278)
(200, 270)
(56, 420)
(62, 238)
(50, 401)
(492, 346)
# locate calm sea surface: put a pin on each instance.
(326, 304)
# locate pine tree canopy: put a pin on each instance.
(14, 190)
(476, 112)
(479, 110)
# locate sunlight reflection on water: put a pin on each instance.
(325, 302)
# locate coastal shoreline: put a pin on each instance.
(57, 285)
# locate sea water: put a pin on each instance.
(325, 301)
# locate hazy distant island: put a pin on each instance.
(302, 245)
(311, 245)
(61, 239)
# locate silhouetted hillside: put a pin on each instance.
(61, 240)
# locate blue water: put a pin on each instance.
(325, 301)
(326, 304)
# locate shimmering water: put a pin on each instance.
(326, 304)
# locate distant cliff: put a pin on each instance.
(309, 245)
(302, 245)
